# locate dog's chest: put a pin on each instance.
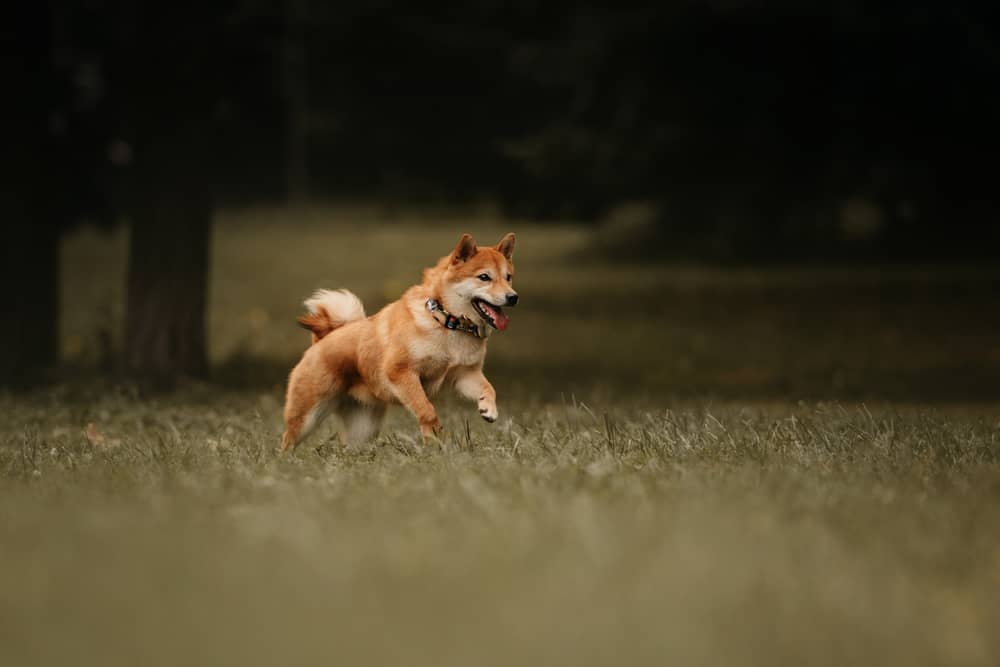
(465, 350)
(436, 355)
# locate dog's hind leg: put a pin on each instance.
(362, 421)
(307, 403)
(301, 419)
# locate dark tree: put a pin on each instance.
(29, 260)
(295, 89)
(168, 280)
(170, 81)
(140, 111)
(30, 307)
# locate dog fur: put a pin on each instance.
(357, 365)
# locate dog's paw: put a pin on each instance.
(488, 411)
(431, 430)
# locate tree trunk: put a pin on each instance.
(29, 309)
(170, 75)
(167, 285)
(295, 88)
(29, 245)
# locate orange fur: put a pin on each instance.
(317, 324)
(400, 354)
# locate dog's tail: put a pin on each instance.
(330, 309)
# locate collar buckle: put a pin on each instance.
(452, 322)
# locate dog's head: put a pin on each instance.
(477, 282)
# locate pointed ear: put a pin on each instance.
(465, 249)
(506, 246)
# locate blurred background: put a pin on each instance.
(712, 197)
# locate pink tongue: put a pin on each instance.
(499, 319)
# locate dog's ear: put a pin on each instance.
(465, 249)
(506, 246)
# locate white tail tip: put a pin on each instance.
(340, 306)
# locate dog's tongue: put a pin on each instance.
(500, 320)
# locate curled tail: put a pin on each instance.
(330, 309)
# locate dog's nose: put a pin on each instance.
(512, 299)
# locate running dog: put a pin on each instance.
(434, 335)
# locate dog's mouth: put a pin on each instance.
(493, 315)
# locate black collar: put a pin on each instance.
(459, 323)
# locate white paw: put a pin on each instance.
(488, 411)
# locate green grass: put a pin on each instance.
(671, 490)
(566, 535)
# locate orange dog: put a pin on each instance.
(435, 334)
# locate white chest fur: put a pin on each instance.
(442, 350)
(465, 350)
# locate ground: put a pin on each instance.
(692, 466)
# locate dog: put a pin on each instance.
(435, 335)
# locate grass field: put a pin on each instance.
(752, 467)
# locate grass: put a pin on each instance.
(615, 515)
(726, 535)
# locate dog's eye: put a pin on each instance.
(485, 277)
(509, 277)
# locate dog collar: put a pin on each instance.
(449, 321)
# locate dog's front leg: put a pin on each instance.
(407, 388)
(472, 384)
